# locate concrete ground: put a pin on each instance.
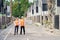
(33, 32)
(1, 30)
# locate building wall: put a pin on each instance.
(59, 21)
(37, 16)
(57, 14)
(0, 21)
(58, 10)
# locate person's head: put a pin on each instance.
(21, 17)
(16, 18)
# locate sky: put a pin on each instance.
(29, 0)
(9, 0)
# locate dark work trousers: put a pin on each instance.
(16, 30)
(22, 28)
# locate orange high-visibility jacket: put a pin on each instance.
(21, 22)
(16, 22)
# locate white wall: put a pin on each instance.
(59, 21)
(58, 11)
(40, 12)
(39, 9)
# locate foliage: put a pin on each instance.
(8, 3)
(20, 7)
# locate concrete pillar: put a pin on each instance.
(41, 12)
(40, 19)
(36, 19)
(44, 18)
(0, 21)
(58, 12)
(33, 18)
(59, 21)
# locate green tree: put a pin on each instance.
(20, 7)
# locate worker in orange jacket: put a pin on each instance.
(22, 26)
(16, 23)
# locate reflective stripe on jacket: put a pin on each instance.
(21, 22)
(16, 22)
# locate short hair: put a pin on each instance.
(21, 16)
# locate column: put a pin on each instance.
(59, 21)
(41, 12)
